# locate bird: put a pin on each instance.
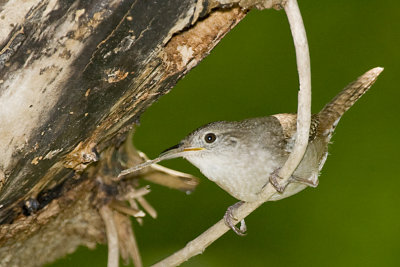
(242, 157)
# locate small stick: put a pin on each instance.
(147, 207)
(134, 249)
(139, 167)
(119, 206)
(112, 236)
(135, 193)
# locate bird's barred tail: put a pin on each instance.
(333, 111)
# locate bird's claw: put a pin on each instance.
(274, 180)
(229, 218)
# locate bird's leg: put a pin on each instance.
(228, 217)
(274, 180)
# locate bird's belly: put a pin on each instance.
(241, 185)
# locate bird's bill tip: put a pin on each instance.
(178, 151)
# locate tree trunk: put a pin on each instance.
(74, 77)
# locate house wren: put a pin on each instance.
(243, 156)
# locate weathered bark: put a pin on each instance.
(74, 77)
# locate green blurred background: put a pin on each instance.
(353, 217)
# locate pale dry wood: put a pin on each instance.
(133, 249)
(147, 207)
(304, 96)
(112, 236)
(135, 193)
(121, 207)
(127, 242)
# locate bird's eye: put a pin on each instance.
(210, 138)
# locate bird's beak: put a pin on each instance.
(178, 150)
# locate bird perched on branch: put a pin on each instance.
(244, 156)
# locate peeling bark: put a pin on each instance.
(74, 77)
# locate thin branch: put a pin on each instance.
(127, 241)
(134, 250)
(121, 207)
(147, 207)
(304, 96)
(134, 193)
(199, 244)
(112, 236)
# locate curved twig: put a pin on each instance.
(199, 244)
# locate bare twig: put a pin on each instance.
(134, 205)
(159, 174)
(199, 244)
(134, 250)
(112, 236)
(304, 96)
(121, 207)
(147, 207)
(127, 241)
(134, 193)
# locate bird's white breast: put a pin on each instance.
(232, 173)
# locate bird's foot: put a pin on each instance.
(229, 218)
(274, 180)
(308, 182)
